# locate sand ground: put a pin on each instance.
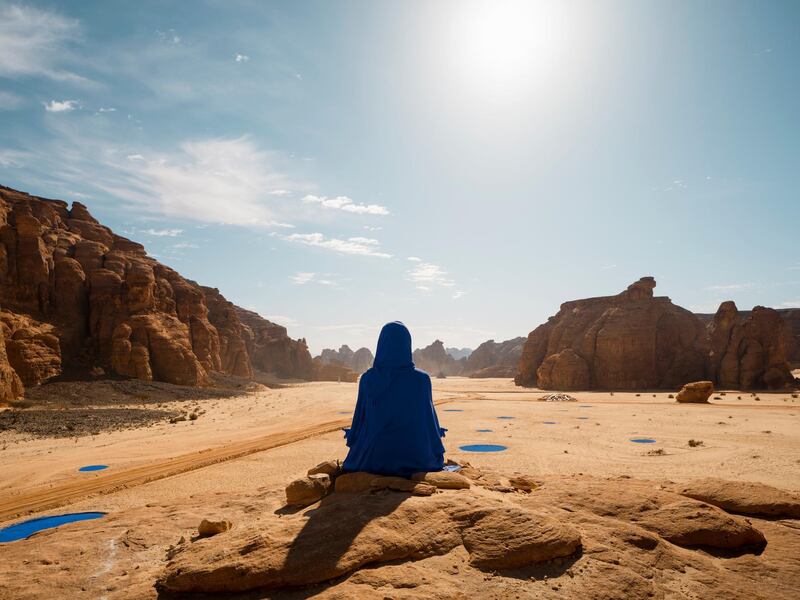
(743, 437)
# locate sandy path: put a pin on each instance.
(71, 491)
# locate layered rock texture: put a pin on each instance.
(637, 341)
(76, 296)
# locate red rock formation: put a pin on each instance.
(494, 359)
(271, 350)
(435, 360)
(74, 294)
(629, 341)
(333, 371)
(748, 352)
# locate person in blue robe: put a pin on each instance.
(395, 430)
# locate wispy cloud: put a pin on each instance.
(241, 58)
(607, 267)
(731, 287)
(170, 36)
(426, 275)
(12, 158)
(355, 245)
(346, 204)
(106, 109)
(790, 304)
(301, 278)
(60, 106)
(414, 259)
(163, 232)
(184, 246)
(457, 294)
(32, 42)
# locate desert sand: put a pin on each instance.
(234, 461)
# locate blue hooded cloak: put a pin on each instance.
(395, 429)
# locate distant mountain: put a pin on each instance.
(495, 359)
(436, 361)
(459, 353)
(358, 361)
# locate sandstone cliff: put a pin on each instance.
(76, 296)
(494, 359)
(637, 341)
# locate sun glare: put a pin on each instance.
(505, 46)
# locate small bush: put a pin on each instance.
(671, 396)
(695, 443)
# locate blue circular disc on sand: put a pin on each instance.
(506, 417)
(483, 430)
(643, 440)
(549, 422)
(88, 468)
(453, 410)
(583, 417)
(20, 531)
(483, 448)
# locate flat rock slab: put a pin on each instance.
(745, 498)
(349, 531)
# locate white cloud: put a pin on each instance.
(359, 246)
(12, 158)
(169, 36)
(62, 106)
(301, 278)
(280, 193)
(104, 109)
(163, 232)
(457, 294)
(346, 204)
(427, 275)
(284, 320)
(607, 267)
(414, 259)
(184, 246)
(241, 57)
(733, 287)
(9, 101)
(790, 304)
(370, 228)
(32, 42)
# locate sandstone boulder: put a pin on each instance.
(744, 497)
(209, 528)
(696, 392)
(307, 490)
(331, 468)
(445, 480)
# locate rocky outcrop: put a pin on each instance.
(358, 361)
(494, 359)
(697, 392)
(637, 341)
(629, 341)
(748, 352)
(435, 360)
(332, 371)
(77, 296)
(744, 497)
(459, 353)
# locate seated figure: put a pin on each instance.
(395, 430)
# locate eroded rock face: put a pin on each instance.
(74, 294)
(742, 497)
(637, 341)
(494, 359)
(749, 351)
(629, 341)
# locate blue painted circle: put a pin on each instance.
(483, 430)
(549, 422)
(643, 440)
(88, 468)
(505, 417)
(20, 531)
(344, 412)
(583, 417)
(584, 406)
(453, 410)
(483, 448)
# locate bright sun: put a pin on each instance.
(503, 47)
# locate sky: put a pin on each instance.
(462, 166)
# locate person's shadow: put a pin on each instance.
(328, 534)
